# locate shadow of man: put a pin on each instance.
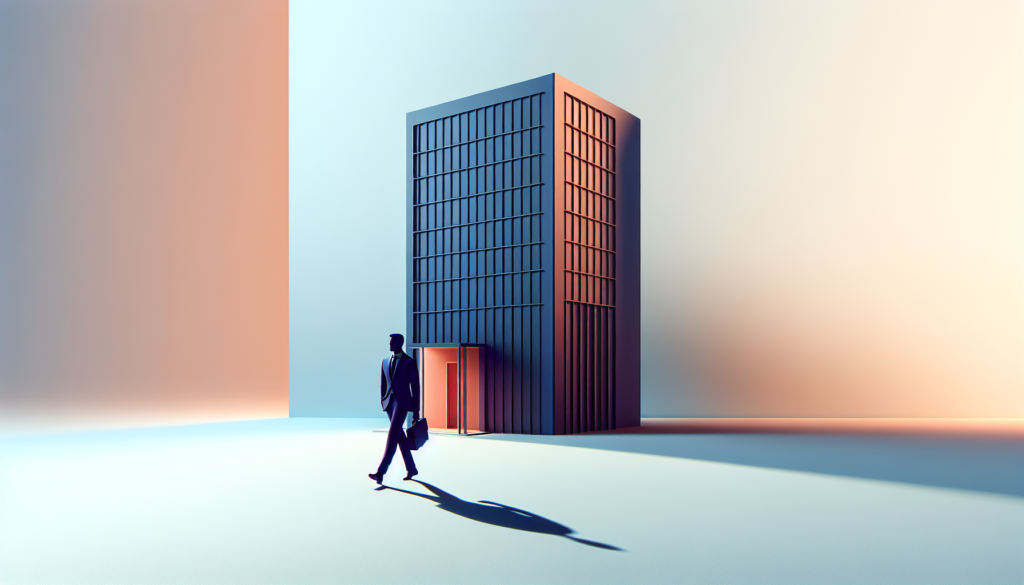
(499, 515)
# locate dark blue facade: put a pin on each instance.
(511, 243)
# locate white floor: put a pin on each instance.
(288, 501)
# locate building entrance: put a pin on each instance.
(451, 388)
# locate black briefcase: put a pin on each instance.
(417, 434)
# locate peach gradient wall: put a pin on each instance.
(144, 209)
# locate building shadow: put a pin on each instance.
(498, 514)
(979, 461)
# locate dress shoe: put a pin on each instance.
(409, 476)
(377, 478)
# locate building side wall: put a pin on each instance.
(629, 220)
(598, 198)
(589, 273)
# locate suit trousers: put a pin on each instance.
(396, 438)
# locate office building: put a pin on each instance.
(523, 242)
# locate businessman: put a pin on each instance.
(399, 395)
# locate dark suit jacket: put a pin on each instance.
(405, 384)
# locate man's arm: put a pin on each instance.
(383, 383)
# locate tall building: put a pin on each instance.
(523, 274)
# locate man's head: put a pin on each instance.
(397, 339)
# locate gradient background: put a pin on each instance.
(833, 198)
(143, 210)
(833, 192)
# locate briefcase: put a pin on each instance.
(417, 434)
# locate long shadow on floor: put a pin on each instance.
(982, 464)
(498, 515)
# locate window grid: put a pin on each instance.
(476, 219)
(589, 272)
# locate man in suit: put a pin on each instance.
(399, 395)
